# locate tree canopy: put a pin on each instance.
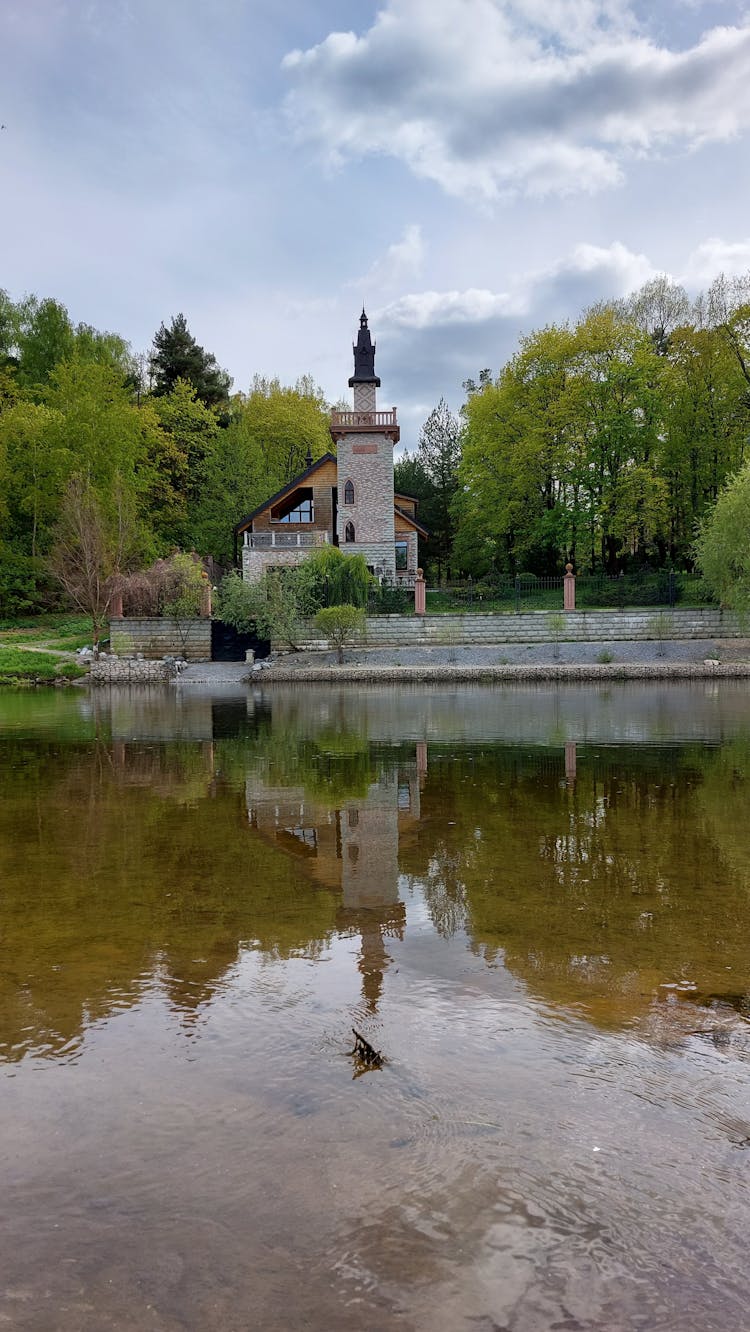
(176, 355)
(723, 545)
(607, 441)
(191, 461)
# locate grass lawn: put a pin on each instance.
(64, 627)
(17, 664)
(61, 633)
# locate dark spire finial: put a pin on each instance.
(309, 457)
(364, 356)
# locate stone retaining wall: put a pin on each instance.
(161, 637)
(129, 670)
(605, 626)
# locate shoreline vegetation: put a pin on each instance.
(40, 649)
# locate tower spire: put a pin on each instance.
(364, 356)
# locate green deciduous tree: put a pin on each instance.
(93, 545)
(44, 338)
(341, 625)
(561, 451)
(264, 446)
(190, 431)
(704, 428)
(328, 577)
(723, 546)
(439, 453)
(274, 607)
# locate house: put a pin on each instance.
(345, 498)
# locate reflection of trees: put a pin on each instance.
(124, 864)
(444, 887)
(594, 893)
(333, 765)
(722, 800)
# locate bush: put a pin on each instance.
(340, 625)
(328, 577)
(274, 607)
(171, 587)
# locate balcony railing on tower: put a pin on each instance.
(346, 423)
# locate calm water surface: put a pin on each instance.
(535, 902)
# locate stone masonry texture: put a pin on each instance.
(156, 638)
(537, 627)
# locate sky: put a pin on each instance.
(468, 169)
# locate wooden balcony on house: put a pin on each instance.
(365, 423)
(285, 540)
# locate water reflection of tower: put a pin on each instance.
(352, 849)
(369, 879)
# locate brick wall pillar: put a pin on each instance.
(420, 598)
(569, 589)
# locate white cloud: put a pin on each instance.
(595, 271)
(402, 260)
(433, 309)
(489, 96)
(716, 256)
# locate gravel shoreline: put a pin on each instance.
(520, 661)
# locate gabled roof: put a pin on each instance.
(285, 490)
(400, 494)
(411, 519)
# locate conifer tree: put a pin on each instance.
(176, 355)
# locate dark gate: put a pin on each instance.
(229, 645)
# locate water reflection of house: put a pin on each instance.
(352, 850)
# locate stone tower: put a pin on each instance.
(364, 440)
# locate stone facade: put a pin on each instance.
(155, 638)
(255, 562)
(129, 670)
(366, 460)
(365, 398)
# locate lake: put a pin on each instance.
(534, 902)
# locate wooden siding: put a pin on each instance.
(321, 483)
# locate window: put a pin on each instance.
(349, 532)
(404, 798)
(402, 554)
(349, 492)
(296, 508)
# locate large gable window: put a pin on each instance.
(294, 508)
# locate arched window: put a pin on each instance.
(349, 492)
(349, 532)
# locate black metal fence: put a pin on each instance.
(391, 598)
(664, 587)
